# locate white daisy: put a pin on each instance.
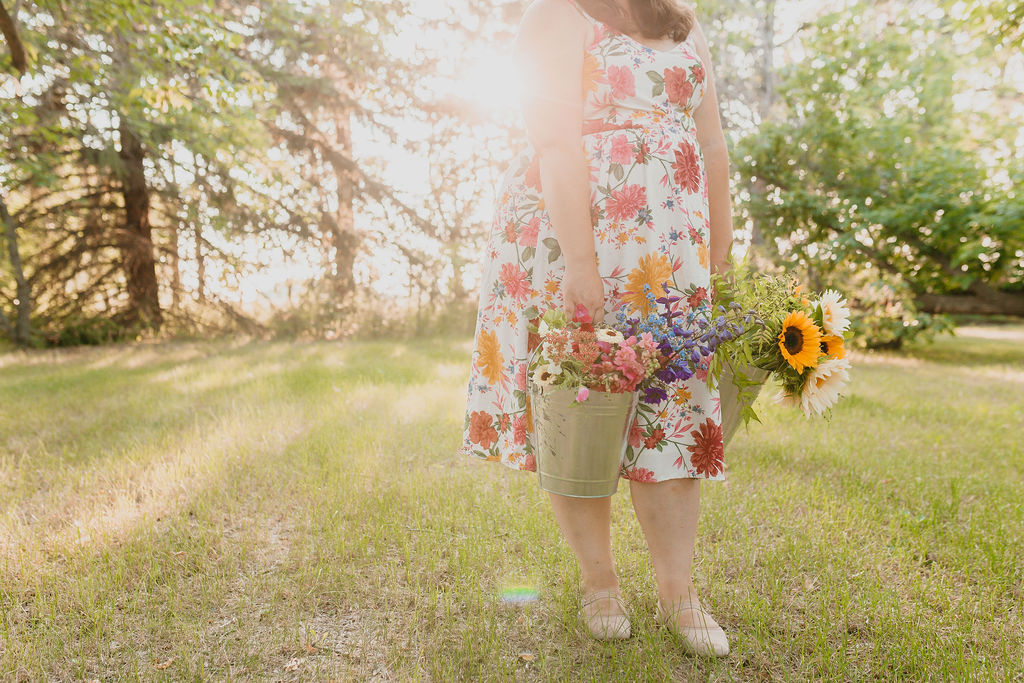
(834, 312)
(824, 383)
(609, 335)
(547, 373)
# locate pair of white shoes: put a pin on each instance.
(704, 638)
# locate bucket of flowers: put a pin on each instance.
(801, 344)
(586, 381)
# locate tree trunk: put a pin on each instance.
(21, 331)
(14, 44)
(137, 245)
(994, 303)
(343, 234)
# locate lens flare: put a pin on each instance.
(518, 595)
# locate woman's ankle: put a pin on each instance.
(676, 590)
(599, 582)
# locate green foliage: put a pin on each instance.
(886, 317)
(81, 330)
(871, 164)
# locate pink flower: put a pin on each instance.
(622, 150)
(627, 202)
(514, 280)
(640, 474)
(677, 85)
(687, 167)
(582, 394)
(519, 430)
(636, 435)
(621, 80)
(528, 235)
(698, 72)
(625, 355)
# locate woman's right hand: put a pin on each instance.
(583, 285)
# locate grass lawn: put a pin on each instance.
(296, 511)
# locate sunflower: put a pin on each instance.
(490, 359)
(800, 341)
(654, 269)
(832, 346)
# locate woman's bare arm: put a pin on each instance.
(549, 57)
(716, 161)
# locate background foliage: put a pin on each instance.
(158, 157)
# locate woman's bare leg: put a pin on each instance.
(586, 525)
(667, 511)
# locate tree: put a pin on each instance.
(871, 162)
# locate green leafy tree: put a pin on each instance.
(872, 165)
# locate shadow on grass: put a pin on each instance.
(970, 346)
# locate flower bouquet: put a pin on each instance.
(585, 382)
(801, 343)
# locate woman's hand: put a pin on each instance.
(583, 284)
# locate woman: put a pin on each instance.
(647, 201)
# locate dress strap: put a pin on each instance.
(579, 9)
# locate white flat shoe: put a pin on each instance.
(606, 626)
(707, 639)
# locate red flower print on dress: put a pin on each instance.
(700, 294)
(530, 463)
(640, 474)
(627, 202)
(697, 71)
(687, 167)
(532, 178)
(519, 430)
(655, 438)
(528, 236)
(622, 82)
(481, 429)
(636, 434)
(521, 377)
(510, 231)
(504, 422)
(622, 150)
(707, 450)
(642, 152)
(513, 278)
(677, 85)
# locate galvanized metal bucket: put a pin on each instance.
(729, 397)
(579, 448)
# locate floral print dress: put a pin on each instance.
(649, 207)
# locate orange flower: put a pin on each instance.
(592, 74)
(832, 346)
(654, 270)
(702, 255)
(481, 429)
(489, 359)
